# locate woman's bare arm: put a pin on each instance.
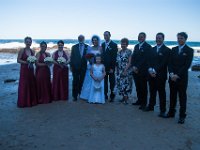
(19, 60)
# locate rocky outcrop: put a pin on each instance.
(196, 67)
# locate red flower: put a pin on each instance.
(89, 56)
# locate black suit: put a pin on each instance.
(79, 65)
(159, 61)
(140, 59)
(179, 64)
(109, 60)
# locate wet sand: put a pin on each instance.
(82, 126)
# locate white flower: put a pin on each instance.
(48, 60)
(31, 59)
(61, 60)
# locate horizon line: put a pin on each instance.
(88, 39)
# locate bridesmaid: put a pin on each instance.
(27, 96)
(60, 74)
(43, 75)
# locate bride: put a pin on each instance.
(94, 49)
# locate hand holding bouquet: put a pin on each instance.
(61, 60)
(48, 61)
(31, 60)
(89, 57)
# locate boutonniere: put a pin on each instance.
(184, 54)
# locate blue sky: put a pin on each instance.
(124, 18)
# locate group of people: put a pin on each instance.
(35, 87)
(100, 71)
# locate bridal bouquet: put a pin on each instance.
(48, 61)
(61, 60)
(31, 60)
(89, 56)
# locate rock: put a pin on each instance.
(9, 80)
(196, 67)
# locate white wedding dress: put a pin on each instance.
(97, 87)
(85, 91)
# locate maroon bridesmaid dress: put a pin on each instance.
(27, 93)
(43, 80)
(60, 80)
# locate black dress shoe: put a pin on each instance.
(181, 120)
(112, 97)
(136, 103)
(149, 109)
(170, 115)
(106, 97)
(162, 114)
(75, 99)
(111, 100)
(142, 107)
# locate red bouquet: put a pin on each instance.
(89, 56)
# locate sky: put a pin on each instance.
(66, 19)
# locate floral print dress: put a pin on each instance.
(124, 82)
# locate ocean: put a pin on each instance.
(7, 58)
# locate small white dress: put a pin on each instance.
(97, 87)
(85, 91)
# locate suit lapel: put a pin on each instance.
(85, 50)
(137, 47)
(78, 51)
(103, 46)
(155, 50)
(177, 50)
(183, 49)
(162, 48)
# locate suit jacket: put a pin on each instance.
(76, 61)
(140, 58)
(179, 63)
(159, 61)
(109, 55)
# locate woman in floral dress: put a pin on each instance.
(123, 71)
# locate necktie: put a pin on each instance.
(180, 49)
(81, 49)
(158, 49)
(106, 46)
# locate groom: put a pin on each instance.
(109, 54)
(78, 66)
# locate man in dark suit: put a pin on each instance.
(109, 54)
(158, 74)
(78, 64)
(140, 63)
(180, 60)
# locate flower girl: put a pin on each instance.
(97, 87)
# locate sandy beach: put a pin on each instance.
(82, 126)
